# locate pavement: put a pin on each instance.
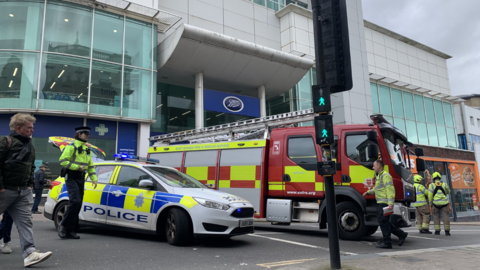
(299, 246)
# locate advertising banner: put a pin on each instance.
(229, 103)
(463, 175)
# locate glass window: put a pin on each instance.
(439, 112)
(155, 42)
(408, 105)
(419, 108)
(357, 148)
(68, 28)
(241, 157)
(201, 158)
(373, 90)
(211, 119)
(305, 104)
(64, 83)
(385, 101)
(274, 4)
(389, 119)
(260, 2)
(422, 133)
(174, 178)
(169, 159)
(397, 103)
(442, 136)
(137, 93)
(22, 23)
(131, 177)
(447, 108)
(104, 173)
(138, 43)
(429, 110)
(106, 88)
(305, 87)
(314, 75)
(452, 138)
(302, 151)
(18, 79)
(400, 124)
(412, 131)
(432, 134)
(108, 37)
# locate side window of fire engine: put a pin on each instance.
(357, 148)
(173, 159)
(301, 150)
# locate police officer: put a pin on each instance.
(77, 159)
(437, 196)
(385, 194)
(423, 211)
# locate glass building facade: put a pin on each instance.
(62, 56)
(424, 120)
(280, 4)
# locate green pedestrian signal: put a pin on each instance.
(322, 101)
(324, 129)
(324, 133)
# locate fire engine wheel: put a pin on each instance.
(178, 228)
(350, 221)
(371, 230)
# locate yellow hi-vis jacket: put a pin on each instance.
(384, 190)
(421, 193)
(440, 198)
(72, 159)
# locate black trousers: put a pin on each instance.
(75, 187)
(387, 227)
(38, 198)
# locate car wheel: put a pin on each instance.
(371, 230)
(59, 213)
(351, 224)
(178, 228)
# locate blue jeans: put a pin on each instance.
(6, 227)
(38, 198)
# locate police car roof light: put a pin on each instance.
(125, 157)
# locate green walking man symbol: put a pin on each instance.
(324, 133)
(322, 101)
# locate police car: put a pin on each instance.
(146, 197)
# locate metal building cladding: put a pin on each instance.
(236, 167)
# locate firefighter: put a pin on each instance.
(385, 194)
(423, 211)
(437, 196)
(77, 159)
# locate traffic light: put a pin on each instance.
(332, 46)
(321, 98)
(324, 129)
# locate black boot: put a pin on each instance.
(447, 233)
(73, 235)
(401, 240)
(62, 232)
(437, 232)
(425, 231)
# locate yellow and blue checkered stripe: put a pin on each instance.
(151, 203)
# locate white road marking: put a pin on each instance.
(268, 233)
(417, 251)
(283, 263)
(300, 244)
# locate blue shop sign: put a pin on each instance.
(229, 103)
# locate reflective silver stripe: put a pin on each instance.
(390, 200)
(63, 160)
(442, 200)
(69, 165)
(421, 202)
(388, 184)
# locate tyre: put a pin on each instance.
(178, 228)
(350, 221)
(371, 230)
(59, 213)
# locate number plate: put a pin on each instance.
(246, 223)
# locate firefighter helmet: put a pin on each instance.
(436, 175)
(417, 179)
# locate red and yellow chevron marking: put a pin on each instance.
(239, 176)
(205, 175)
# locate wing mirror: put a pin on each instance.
(419, 152)
(372, 150)
(146, 183)
(372, 135)
(420, 164)
(209, 185)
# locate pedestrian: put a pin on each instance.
(384, 191)
(77, 159)
(39, 183)
(437, 196)
(423, 210)
(5, 232)
(17, 157)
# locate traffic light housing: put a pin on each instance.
(324, 129)
(321, 98)
(332, 45)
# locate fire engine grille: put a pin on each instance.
(243, 213)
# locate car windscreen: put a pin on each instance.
(395, 147)
(174, 178)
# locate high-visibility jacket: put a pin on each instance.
(384, 190)
(440, 198)
(72, 159)
(422, 194)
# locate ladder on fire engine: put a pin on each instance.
(236, 130)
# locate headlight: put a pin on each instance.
(212, 204)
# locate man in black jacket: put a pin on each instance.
(39, 183)
(17, 164)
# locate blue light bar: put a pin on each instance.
(137, 158)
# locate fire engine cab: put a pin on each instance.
(273, 165)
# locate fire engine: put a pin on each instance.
(273, 164)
